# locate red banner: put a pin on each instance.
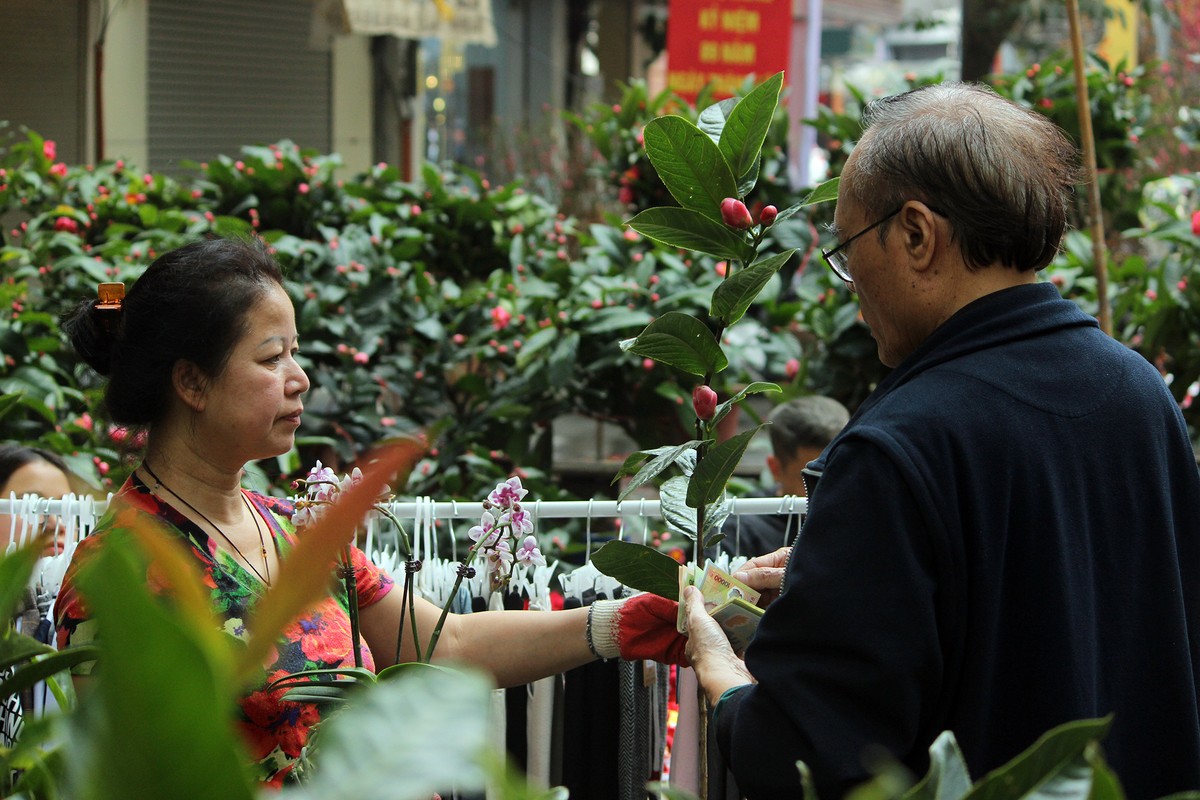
(723, 41)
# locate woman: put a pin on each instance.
(31, 470)
(202, 355)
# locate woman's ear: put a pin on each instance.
(190, 384)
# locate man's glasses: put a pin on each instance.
(838, 259)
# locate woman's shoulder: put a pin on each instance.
(282, 506)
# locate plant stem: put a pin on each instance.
(348, 577)
(462, 572)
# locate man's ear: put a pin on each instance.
(920, 229)
(190, 383)
(776, 468)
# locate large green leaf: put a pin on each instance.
(738, 291)
(406, 739)
(1053, 768)
(690, 165)
(714, 470)
(691, 230)
(663, 457)
(746, 129)
(639, 567)
(146, 700)
(681, 518)
(681, 341)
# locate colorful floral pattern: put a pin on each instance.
(275, 730)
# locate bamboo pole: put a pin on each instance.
(1095, 212)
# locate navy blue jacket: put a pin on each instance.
(1005, 537)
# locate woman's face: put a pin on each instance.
(37, 477)
(252, 409)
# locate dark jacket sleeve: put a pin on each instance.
(848, 658)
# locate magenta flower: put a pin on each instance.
(1196, 223)
(768, 215)
(508, 494)
(50, 149)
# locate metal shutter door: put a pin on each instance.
(41, 72)
(228, 73)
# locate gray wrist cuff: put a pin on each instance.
(604, 616)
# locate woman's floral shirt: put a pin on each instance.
(274, 729)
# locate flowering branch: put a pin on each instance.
(504, 536)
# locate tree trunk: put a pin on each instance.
(985, 26)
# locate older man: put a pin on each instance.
(1006, 535)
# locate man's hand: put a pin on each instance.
(717, 667)
(765, 573)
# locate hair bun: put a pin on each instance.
(93, 333)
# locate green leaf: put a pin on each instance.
(691, 230)
(664, 457)
(15, 570)
(16, 648)
(713, 471)
(681, 341)
(405, 739)
(690, 165)
(746, 129)
(8, 402)
(713, 118)
(757, 387)
(823, 193)
(1052, 767)
(34, 672)
(948, 777)
(148, 699)
(639, 567)
(738, 291)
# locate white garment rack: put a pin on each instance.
(80, 506)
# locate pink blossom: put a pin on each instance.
(66, 224)
(647, 364)
(528, 552)
(1196, 223)
(720, 268)
(485, 530)
(704, 401)
(458, 338)
(508, 494)
(735, 214)
(518, 519)
(361, 358)
(303, 188)
(791, 368)
(59, 170)
(501, 316)
(85, 421)
(50, 149)
(631, 235)
(768, 215)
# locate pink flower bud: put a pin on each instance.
(1196, 223)
(767, 216)
(704, 400)
(66, 224)
(735, 214)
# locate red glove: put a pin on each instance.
(639, 627)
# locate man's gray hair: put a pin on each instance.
(810, 421)
(1001, 173)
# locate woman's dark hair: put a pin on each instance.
(192, 303)
(15, 456)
